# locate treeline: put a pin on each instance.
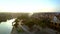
(7, 16)
(4, 17)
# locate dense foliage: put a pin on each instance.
(30, 21)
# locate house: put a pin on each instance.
(55, 23)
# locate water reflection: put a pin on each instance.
(6, 27)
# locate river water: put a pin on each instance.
(6, 27)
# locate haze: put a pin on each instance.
(29, 6)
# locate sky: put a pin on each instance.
(29, 6)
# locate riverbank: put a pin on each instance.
(43, 31)
(26, 31)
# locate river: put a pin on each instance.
(6, 27)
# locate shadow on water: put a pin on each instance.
(6, 27)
